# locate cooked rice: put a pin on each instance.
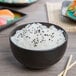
(38, 37)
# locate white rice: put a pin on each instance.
(38, 37)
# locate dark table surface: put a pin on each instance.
(9, 66)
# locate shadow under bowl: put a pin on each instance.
(38, 59)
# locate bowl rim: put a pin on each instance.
(43, 50)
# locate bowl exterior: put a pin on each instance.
(38, 59)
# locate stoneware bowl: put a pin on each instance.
(39, 59)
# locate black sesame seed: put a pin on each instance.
(43, 31)
(26, 36)
(35, 45)
(52, 33)
(37, 35)
(45, 34)
(39, 31)
(40, 41)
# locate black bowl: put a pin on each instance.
(39, 59)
